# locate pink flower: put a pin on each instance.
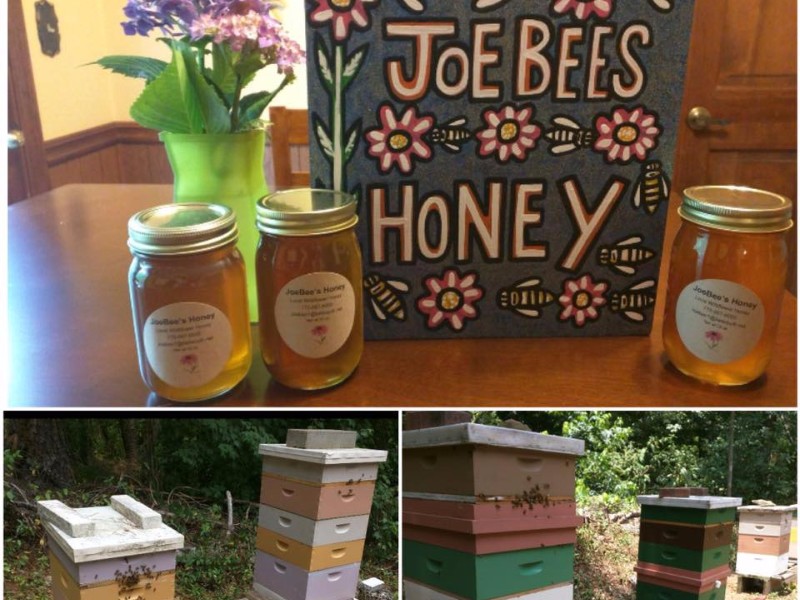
(626, 134)
(189, 362)
(398, 141)
(509, 132)
(581, 299)
(342, 14)
(451, 299)
(713, 338)
(320, 331)
(583, 9)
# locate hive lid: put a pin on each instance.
(324, 456)
(702, 502)
(767, 509)
(126, 528)
(489, 435)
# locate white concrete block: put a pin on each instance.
(320, 438)
(140, 515)
(65, 518)
(373, 584)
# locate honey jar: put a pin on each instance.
(726, 281)
(189, 300)
(308, 274)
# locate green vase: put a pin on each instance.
(228, 169)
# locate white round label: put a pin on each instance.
(187, 343)
(314, 313)
(719, 321)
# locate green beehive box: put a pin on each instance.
(490, 575)
(648, 591)
(681, 558)
(695, 510)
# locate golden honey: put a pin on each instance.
(308, 273)
(189, 300)
(726, 281)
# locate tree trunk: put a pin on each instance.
(130, 442)
(731, 427)
(44, 449)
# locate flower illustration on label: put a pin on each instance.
(713, 338)
(583, 9)
(190, 363)
(320, 332)
(626, 135)
(509, 133)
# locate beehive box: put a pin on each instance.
(314, 514)
(489, 512)
(684, 547)
(118, 551)
(764, 540)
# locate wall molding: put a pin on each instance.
(82, 143)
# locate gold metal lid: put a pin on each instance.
(736, 208)
(181, 228)
(305, 211)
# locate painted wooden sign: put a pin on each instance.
(511, 158)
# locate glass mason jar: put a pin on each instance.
(189, 300)
(726, 280)
(308, 271)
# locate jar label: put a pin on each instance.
(719, 321)
(314, 313)
(187, 343)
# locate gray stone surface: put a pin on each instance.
(472, 433)
(320, 438)
(703, 502)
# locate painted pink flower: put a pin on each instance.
(342, 14)
(399, 140)
(320, 332)
(581, 299)
(451, 299)
(509, 133)
(713, 338)
(583, 9)
(189, 362)
(626, 134)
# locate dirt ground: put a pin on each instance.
(732, 594)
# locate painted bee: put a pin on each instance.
(568, 135)
(662, 5)
(652, 188)
(524, 298)
(625, 255)
(385, 297)
(452, 135)
(631, 301)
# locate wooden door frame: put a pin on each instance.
(23, 107)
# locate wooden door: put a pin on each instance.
(27, 166)
(742, 68)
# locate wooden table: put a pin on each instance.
(71, 337)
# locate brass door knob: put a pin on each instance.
(699, 119)
(15, 139)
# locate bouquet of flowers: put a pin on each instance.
(217, 46)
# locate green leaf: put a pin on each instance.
(139, 67)
(252, 105)
(222, 73)
(201, 99)
(353, 65)
(179, 100)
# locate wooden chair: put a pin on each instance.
(289, 134)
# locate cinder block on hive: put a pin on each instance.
(320, 438)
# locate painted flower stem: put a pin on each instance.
(337, 119)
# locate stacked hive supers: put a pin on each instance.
(316, 495)
(764, 540)
(684, 547)
(488, 512)
(119, 551)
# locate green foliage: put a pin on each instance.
(613, 465)
(137, 67)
